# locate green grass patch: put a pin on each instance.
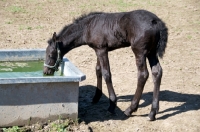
(24, 27)
(189, 37)
(16, 9)
(121, 5)
(59, 125)
(39, 27)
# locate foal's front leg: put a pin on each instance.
(102, 55)
(98, 93)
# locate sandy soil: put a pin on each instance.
(28, 24)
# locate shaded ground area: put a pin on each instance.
(186, 103)
(29, 24)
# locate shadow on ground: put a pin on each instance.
(89, 112)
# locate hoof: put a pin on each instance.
(151, 117)
(97, 96)
(127, 112)
(112, 107)
(96, 99)
(111, 111)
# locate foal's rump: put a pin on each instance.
(153, 28)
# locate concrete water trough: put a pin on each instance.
(28, 97)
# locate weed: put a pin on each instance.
(61, 125)
(29, 28)
(12, 129)
(9, 22)
(189, 37)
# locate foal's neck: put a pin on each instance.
(72, 39)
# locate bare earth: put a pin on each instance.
(28, 24)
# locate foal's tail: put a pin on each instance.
(163, 37)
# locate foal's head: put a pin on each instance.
(53, 56)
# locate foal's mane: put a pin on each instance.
(79, 21)
(85, 16)
(75, 21)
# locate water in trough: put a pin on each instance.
(13, 69)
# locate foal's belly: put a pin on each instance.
(117, 45)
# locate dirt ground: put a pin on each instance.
(28, 24)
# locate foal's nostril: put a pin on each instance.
(45, 72)
(49, 72)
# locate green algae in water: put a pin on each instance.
(22, 69)
(22, 66)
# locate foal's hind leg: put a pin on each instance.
(142, 77)
(157, 75)
(98, 93)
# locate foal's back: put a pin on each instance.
(117, 30)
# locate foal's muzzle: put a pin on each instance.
(48, 71)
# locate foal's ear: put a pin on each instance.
(54, 37)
